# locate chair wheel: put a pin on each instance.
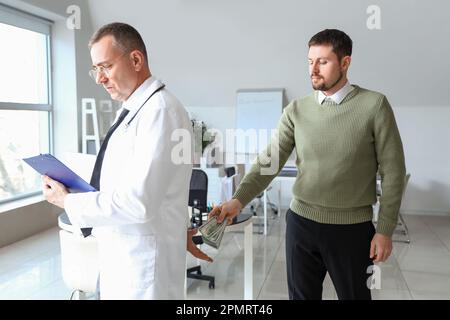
(211, 285)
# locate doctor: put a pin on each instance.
(139, 216)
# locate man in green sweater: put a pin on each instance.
(342, 134)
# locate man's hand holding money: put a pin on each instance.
(227, 210)
(212, 232)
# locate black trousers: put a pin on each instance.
(314, 248)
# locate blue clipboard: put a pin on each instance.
(48, 165)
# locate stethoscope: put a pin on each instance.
(134, 116)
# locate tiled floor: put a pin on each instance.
(31, 269)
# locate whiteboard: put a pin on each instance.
(258, 110)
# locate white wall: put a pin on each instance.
(206, 50)
(425, 132)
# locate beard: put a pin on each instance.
(324, 86)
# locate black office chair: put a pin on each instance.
(230, 171)
(198, 191)
(260, 204)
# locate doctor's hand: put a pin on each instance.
(227, 210)
(380, 247)
(193, 249)
(54, 192)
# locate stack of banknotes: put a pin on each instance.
(212, 232)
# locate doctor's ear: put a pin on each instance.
(137, 59)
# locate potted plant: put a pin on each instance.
(202, 138)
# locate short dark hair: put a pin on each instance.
(125, 36)
(339, 40)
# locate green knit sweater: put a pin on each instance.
(339, 148)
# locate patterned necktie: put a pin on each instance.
(95, 179)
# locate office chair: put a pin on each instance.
(401, 222)
(230, 171)
(228, 184)
(198, 192)
(260, 204)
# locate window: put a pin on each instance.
(25, 100)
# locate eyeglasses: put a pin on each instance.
(105, 69)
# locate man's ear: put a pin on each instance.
(345, 62)
(138, 60)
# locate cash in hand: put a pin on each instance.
(212, 232)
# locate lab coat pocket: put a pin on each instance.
(141, 263)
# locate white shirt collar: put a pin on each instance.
(136, 99)
(337, 96)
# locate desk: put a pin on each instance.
(265, 210)
(244, 222)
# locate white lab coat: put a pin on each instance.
(139, 216)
